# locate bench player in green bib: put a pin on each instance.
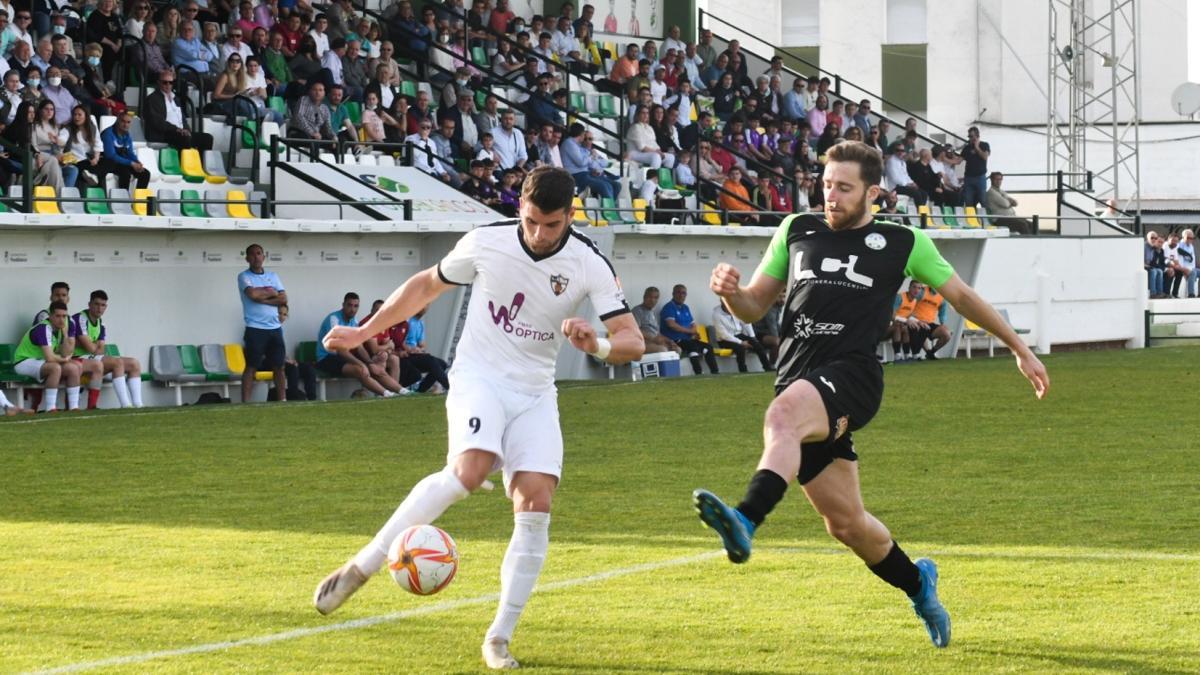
(841, 274)
(39, 356)
(91, 339)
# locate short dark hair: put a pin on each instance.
(98, 295)
(575, 129)
(868, 159)
(258, 246)
(59, 284)
(57, 305)
(649, 290)
(350, 296)
(549, 188)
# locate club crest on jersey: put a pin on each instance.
(876, 241)
(558, 284)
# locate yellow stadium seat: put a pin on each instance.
(972, 217)
(193, 168)
(580, 214)
(236, 358)
(141, 195)
(711, 215)
(50, 207)
(639, 210)
(703, 337)
(874, 208)
(930, 223)
(239, 207)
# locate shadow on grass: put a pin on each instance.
(1102, 658)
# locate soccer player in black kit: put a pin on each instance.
(841, 274)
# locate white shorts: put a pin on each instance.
(30, 368)
(89, 357)
(520, 429)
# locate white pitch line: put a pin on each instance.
(369, 621)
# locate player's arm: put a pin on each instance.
(624, 340)
(748, 303)
(971, 306)
(49, 356)
(421, 289)
(85, 341)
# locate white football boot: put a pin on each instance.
(496, 656)
(337, 588)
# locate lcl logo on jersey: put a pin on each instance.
(558, 284)
(504, 316)
(833, 265)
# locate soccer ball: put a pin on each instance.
(423, 559)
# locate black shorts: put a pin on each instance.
(264, 348)
(852, 389)
(332, 364)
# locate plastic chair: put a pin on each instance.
(215, 203)
(666, 179)
(97, 204)
(237, 205)
(580, 214)
(277, 104)
(607, 106)
(215, 167)
(610, 212)
(408, 88)
(972, 217)
(212, 358)
(354, 110)
(702, 335)
(167, 208)
(193, 168)
(250, 135)
(191, 206)
(168, 164)
(68, 206)
(46, 202)
(639, 210)
(256, 203)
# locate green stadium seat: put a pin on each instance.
(277, 104)
(608, 211)
(7, 357)
(250, 135)
(111, 349)
(607, 106)
(578, 101)
(479, 57)
(409, 89)
(192, 207)
(480, 98)
(306, 352)
(354, 110)
(99, 202)
(951, 218)
(168, 162)
(666, 179)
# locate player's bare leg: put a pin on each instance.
(531, 493)
(795, 416)
(428, 499)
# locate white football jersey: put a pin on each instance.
(513, 329)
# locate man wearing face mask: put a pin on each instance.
(460, 83)
(64, 102)
(33, 84)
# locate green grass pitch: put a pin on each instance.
(1067, 532)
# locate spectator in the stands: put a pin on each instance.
(576, 160)
(897, 178)
(725, 97)
(633, 86)
(353, 363)
(306, 68)
(540, 107)
(341, 17)
(818, 116)
(48, 142)
(154, 62)
(678, 325)
(829, 137)
(1000, 207)
(705, 50)
(210, 42)
(666, 129)
(499, 18)
(793, 101)
(424, 151)
(488, 119)
(487, 149)
(563, 41)
(648, 323)
(447, 151)
(83, 141)
(411, 37)
(711, 74)
(1189, 270)
(386, 60)
(767, 328)
(19, 135)
(235, 45)
(479, 186)
(319, 35)
(275, 64)
(121, 155)
(509, 142)
(927, 179)
(292, 34)
(735, 198)
(1175, 272)
(331, 60)
(312, 118)
(354, 70)
(466, 133)
(188, 50)
(59, 95)
(231, 84)
(623, 69)
(421, 112)
(975, 153)
(259, 39)
(164, 119)
(733, 333)
(10, 96)
(375, 120)
(20, 57)
(64, 60)
(643, 145)
(339, 114)
(506, 62)
(585, 19)
(1155, 263)
(943, 165)
(416, 355)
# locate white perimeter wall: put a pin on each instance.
(1094, 286)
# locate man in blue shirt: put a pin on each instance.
(577, 161)
(118, 149)
(677, 325)
(354, 363)
(793, 101)
(262, 293)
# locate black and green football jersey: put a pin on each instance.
(841, 285)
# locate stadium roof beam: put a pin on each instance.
(1094, 86)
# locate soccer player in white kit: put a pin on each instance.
(529, 278)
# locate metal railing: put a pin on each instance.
(1149, 323)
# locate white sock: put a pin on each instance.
(119, 388)
(135, 390)
(50, 399)
(4, 402)
(519, 572)
(427, 500)
(72, 398)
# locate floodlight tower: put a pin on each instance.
(1094, 87)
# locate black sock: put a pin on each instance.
(896, 349)
(764, 492)
(898, 570)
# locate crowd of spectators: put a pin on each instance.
(1170, 264)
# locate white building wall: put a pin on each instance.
(952, 70)
(852, 35)
(758, 19)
